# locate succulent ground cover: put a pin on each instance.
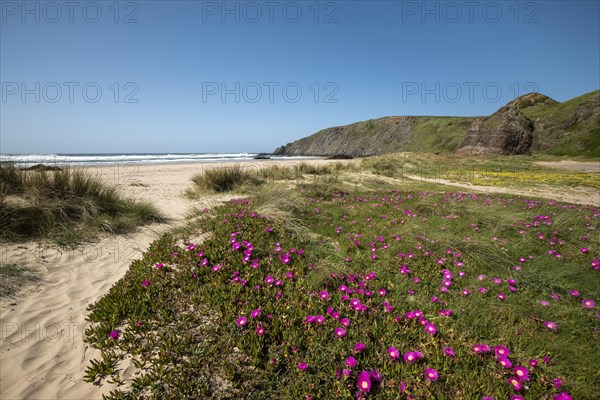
(342, 292)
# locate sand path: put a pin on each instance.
(42, 354)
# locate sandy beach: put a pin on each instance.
(42, 354)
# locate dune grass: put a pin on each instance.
(66, 206)
(245, 178)
(272, 304)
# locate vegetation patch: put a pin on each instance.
(66, 206)
(360, 294)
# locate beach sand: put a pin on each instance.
(42, 354)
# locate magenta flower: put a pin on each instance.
(412, 356)
(159, 265)
(574, 293)
(584, 250)
(516, 398)
(359, 346)
(260, 331)
(533, 362)
(255, 313)
(431, 329)
(393, 353)
(515, 383)
(324, 295)
(302, 366)
(551, 325)
(481, 348)
(376, 376)
(351, 362)
(340, 332)
(364, 382)
(505, 362)
(588, 303)
(557, 383)
(521, 372)
(431, 374)
(114, 334)
(562, 396)
(501, 351)
(345, 322)
(241, 322)
(145, 283)
(449, 351)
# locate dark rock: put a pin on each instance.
(340, 157)
(506, 132)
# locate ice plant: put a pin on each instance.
(505, 362)
(302, 366)
(588, 303)
(515, 383)
(551, 325)
(351, 362)
(114, 334)
(521, 372)
(449, 351)
(359, 346)
(431, 374)
(364, 382)
(241, 322)
(431, 329)
(340, 332)
(393, 353)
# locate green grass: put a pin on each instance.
(245, 179)
(66, 206)
(181, 328)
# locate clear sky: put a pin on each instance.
(203, 76)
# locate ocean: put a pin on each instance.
(74, 160)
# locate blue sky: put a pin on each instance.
(194, 76)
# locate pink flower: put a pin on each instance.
(302, 366)
(364, 382)
(588, 303)
(241, 322)
(431, 374)
(114, 334)
(393, 353)
(340, 332)
(351, 362)
(521, 372)
(431, 329)
(146, 283)
(551, 325)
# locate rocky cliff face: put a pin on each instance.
(530, 123)
(506, 132)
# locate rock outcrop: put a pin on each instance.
(506, 132)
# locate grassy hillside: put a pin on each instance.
(571, 128)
